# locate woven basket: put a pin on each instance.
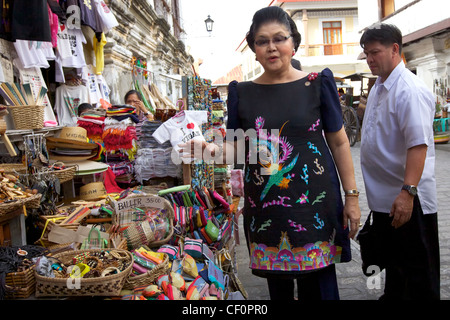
(13, 167)
(138, 233)
(20, 284)
(65, 174)
(32, 202)
(149, 277)
(27, 117)
(110, 285)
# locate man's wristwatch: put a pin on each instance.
(412, 190)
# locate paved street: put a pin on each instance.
(352, 283)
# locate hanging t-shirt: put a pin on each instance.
(99, 55)
(63, 43)
(33, 76)
(67, 100)
(89, 75)
(30, 20)
(88, 14)
(182, 129)
(106, 18)
(76, 40)
(104, 88)
(30, 54)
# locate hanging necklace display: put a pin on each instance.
(39, 175)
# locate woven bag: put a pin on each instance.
(110, 285)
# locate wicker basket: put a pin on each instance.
(20, 284)
(27, 117)
(110, 285)
(139, 233)
(149, 277)
(13, 167)
(32, 202)
(65, 174)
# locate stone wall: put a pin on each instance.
(142, 33)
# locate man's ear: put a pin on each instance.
(396, 49)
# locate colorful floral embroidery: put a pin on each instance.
(314, 126)
(318, 166)
(277, 177)
(259, 178)
(303, 198)
(265, 225)
(319, 197)
(305, 175)
(277, 202)
(319, 221)
(297, 227)
(288, 258)
(314, 148)
(252, 203)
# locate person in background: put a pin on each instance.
(296, 224)
(397, 162)
(134, 99)
(84, 107)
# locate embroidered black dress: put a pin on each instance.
(293, 205)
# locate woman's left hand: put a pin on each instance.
(352, 214)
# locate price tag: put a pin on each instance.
(139, 202)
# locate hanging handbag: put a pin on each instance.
(371, 248)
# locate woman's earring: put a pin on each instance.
(293, 52)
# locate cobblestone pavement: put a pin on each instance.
(353, 285)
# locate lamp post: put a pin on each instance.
(209, 24)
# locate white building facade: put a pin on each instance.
(425, 25)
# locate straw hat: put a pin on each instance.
(93, 191)
(71, 137)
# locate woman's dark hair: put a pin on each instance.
(129, 93)
(386, 34)
(272, 14)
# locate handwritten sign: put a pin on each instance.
(139, 202)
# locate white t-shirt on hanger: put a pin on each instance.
(106, 18)
(76, 40)
(63, 43)
(104, 88)
(88, 74)
(182, 129)
(29, 55)
(67, 100)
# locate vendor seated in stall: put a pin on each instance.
(134, 99)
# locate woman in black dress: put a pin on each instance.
(296, 224)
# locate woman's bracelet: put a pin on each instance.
(351, 193)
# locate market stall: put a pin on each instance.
(93, 201)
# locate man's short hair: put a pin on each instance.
(386, 34)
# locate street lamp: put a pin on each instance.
(209, 24)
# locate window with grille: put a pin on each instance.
(332, 37)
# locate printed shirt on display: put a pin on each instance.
(76, 40)
(182, 129)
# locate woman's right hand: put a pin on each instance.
(197, 149)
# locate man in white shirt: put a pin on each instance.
(397, 161)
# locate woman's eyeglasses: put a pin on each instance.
(277, 40)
